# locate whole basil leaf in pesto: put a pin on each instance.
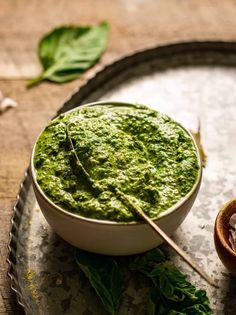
(171, 293)
(67, 51)
(104, 276)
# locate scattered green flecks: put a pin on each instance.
(30, 274)
(30, 277)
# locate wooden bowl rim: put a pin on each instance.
(219, 226)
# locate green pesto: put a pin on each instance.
(138, 151)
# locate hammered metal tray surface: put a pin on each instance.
(190, 82)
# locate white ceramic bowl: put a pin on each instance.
(112, 238)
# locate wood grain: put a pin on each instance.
(134, 25)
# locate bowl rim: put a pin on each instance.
(218, 220)
(72, 215)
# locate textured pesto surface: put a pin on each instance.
(143, 153)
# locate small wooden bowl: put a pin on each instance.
(221, 237)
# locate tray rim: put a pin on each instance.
(77, 96)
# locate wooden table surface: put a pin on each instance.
(134, 25)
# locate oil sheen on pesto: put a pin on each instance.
(143, 153)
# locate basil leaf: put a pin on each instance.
(149, 262)
(171, 294)
(104, 276)
(66, 52)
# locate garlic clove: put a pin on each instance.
(6, 103)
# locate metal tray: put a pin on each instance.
(188, 81)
